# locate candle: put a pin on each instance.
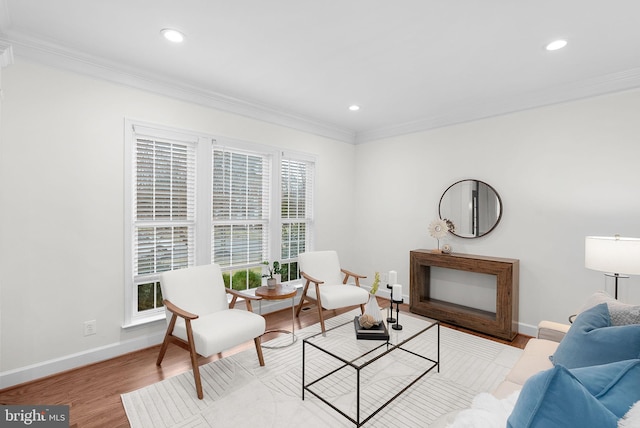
(396, 292)
(393, 277)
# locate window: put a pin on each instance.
(161, 213)
(191, 200)
(241, 215)
(296, 208)
(164, 215)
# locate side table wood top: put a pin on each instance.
(279, 292)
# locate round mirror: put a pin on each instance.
(474, 207)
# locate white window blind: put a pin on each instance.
(192, 200)
(296, 178)
(164, 213)
(240, 215)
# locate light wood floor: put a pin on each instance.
(93, 392)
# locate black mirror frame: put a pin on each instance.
(492, 189)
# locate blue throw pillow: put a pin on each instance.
(592, 340)
(555, 398)
(615, 385)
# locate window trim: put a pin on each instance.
(133, 130)
(205, 145)
(310, 222)
(246, 148)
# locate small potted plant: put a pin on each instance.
(273, 275)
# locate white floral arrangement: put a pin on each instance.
(439, 228)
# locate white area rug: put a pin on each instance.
(240, 393)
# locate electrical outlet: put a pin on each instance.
(89, 327)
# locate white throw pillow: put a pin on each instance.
(632, 418)
(620, 313)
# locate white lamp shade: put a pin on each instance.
(612, 254)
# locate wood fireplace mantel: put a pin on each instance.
(503, 323)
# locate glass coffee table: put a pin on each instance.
(359, 378)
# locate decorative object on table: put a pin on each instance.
(439, 229)
(392, 278)
(615, 255)
(372, 332)
(371, 308)
(446, 249)
(396, 297)
(367, 321)
(274, 271)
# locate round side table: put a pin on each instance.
(280, 292)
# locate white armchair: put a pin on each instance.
(325, 285)
(200, 319)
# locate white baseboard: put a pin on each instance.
(72, 361)
(68, 362)
(527, 329)
(47, 368)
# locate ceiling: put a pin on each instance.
(410, 65)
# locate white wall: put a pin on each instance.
(1, 226)
(563, 172)
(61, 183)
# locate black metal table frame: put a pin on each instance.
(350, 363)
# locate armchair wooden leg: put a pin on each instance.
(163, 350)
(194, 360)
(362, 309)
(299, 307)
(321, 319)
(165, 343)
(258, 343)
(196, 374)
(303, 297)
(319, 304)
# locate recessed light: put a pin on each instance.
(354, 107)
(556, 44)
(174, 36)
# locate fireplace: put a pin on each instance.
(487, 304)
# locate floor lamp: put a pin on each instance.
(616, 256)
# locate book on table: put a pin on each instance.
(376, 332)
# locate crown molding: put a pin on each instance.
(5, 15)
(601, 85)
(6, 54)
(57, 56)
(70, 60)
